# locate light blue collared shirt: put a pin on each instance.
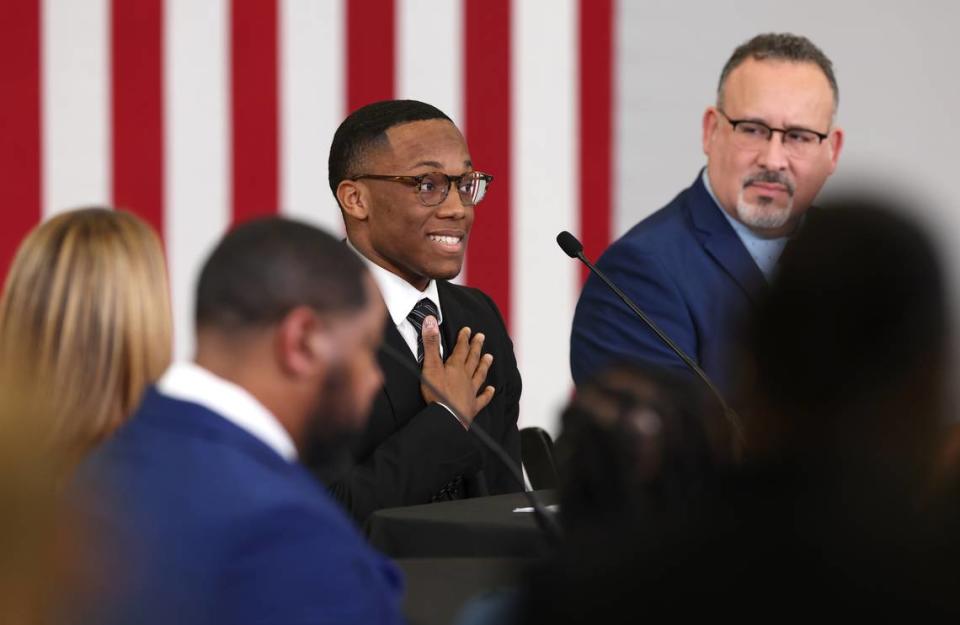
(765, 252)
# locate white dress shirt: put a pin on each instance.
(190, 382)
(400, 297)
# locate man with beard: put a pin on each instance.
(202, 500)
(698, 265)
(407, 188)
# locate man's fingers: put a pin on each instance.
(480, 373)
(431, 343)
(476, 347)
(460, 350)
(484, 398)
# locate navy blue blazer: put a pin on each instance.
(687, 269)
(205, 524)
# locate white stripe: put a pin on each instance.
(430, 58)
(76, 104)
(197, 139)
(312, 60)
(430, 52)
(543, 285)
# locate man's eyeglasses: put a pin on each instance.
(432, 188)
(797, 142)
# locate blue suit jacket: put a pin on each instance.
(688, 270)
(205, 524)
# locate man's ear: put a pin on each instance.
(354, 199)
(303, 343)
(835, 142)
(709, 128)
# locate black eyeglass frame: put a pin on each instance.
(783, 131)
(416, 181)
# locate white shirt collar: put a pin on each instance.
(399, 295)
(190, 382)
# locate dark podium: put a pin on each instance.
(453, 551)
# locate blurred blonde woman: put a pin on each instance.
(85, 325)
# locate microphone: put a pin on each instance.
(572, 246)
(574, 249)
(548, 524)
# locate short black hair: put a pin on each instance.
(265, 268)
(367, 127)
(780, 47)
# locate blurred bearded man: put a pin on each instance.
(204, 504)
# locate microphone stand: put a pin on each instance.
(574, 249)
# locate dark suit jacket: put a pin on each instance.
(414, 453)
(687, 269)
(211, 526)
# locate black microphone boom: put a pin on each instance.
(574, 249)
(546, 521)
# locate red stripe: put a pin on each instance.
(20, 164)
(596, 126)
(487, 112)
(136, 37)
(254, 104)
(370, 51)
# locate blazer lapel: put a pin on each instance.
(452, 316)
(401, 387)
(721, 242)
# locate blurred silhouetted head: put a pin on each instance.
(265, 268)
(849, 349)
(291, 314)
(636, 439)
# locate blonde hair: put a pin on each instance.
(85, 323)
(36, 551)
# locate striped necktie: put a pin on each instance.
(423, 308)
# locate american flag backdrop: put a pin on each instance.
(197, 114)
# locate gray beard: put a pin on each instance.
(763, 216)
